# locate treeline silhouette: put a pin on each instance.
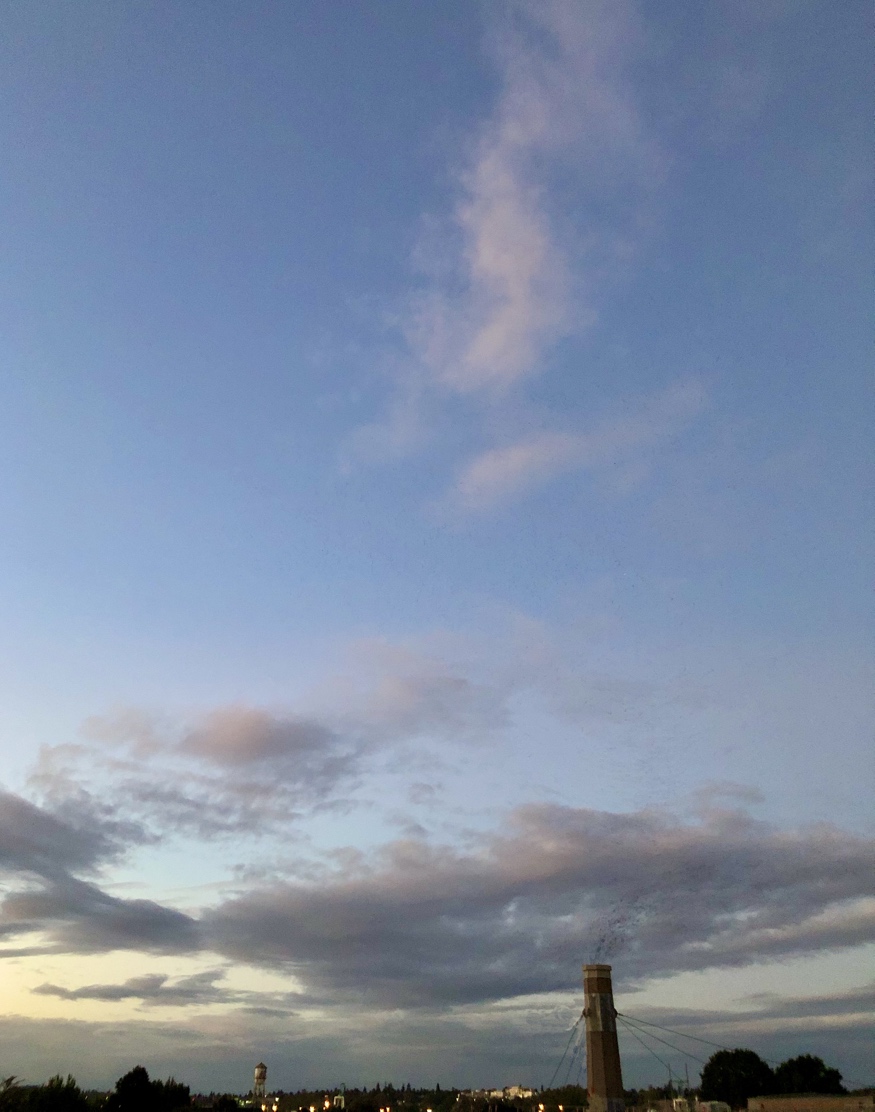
(735, 1075)
(732, 1076)
(135, 1092)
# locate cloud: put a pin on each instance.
(405, 692)
(33, 840)
(248, 771)
(500, 474)
(202, 989)
(514, 266)
(237, 736)
(563, 96)
(78, 917)
(447, 930)
(151, 988)
(234, 769)
(473, 1047)
(836, 1026)
(851, 1003)
(517, 912)
(43, 853)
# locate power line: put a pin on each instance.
(682, 1034)
(574, 1054)
(649, 1049)
(696, 1038)
(565, 1051)
(581, 1069)
(671, 1046)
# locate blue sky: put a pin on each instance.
(432, 435)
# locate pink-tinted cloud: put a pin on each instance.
(563, 95)
(500, 474)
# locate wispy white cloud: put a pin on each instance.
(511, 268)
(563, 95)
(500, 474)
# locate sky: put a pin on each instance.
(436, 514)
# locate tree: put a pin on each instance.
(807, 1074)
(735, 1075)
(11, 1093)
(171, 1094)
(58, 1095)
(569, 1096)
(133, 1092)
(136, 1093)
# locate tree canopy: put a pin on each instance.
(807, 1074)
(57, 1095)
(135, 1092)
(734, 1075)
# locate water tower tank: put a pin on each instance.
(260, 1080)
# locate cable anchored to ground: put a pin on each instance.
(565, 1051)
(649, 1049)
(671, 1046)
(668, 1030)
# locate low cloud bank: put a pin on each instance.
(516, 912)
(512, 913)
(43, 858)
(470, 1049)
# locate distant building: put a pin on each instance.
(813, 1102)
(509, 1092)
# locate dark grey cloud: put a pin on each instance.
(197, 989)
(44, 855)
(151, 988)
(835, 1006)
(854, 1000)
(512, 913)
(835, 1026)
(79, 917)
(50, 843)
(357, 1046)
(517, 911)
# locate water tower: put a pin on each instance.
(260, 1080)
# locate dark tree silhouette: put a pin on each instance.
(807, 1074)
(57, 1095)
(136, 1093)
(735, 1075)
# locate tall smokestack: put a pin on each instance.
(604, 1079)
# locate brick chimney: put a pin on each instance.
(604, 1078)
